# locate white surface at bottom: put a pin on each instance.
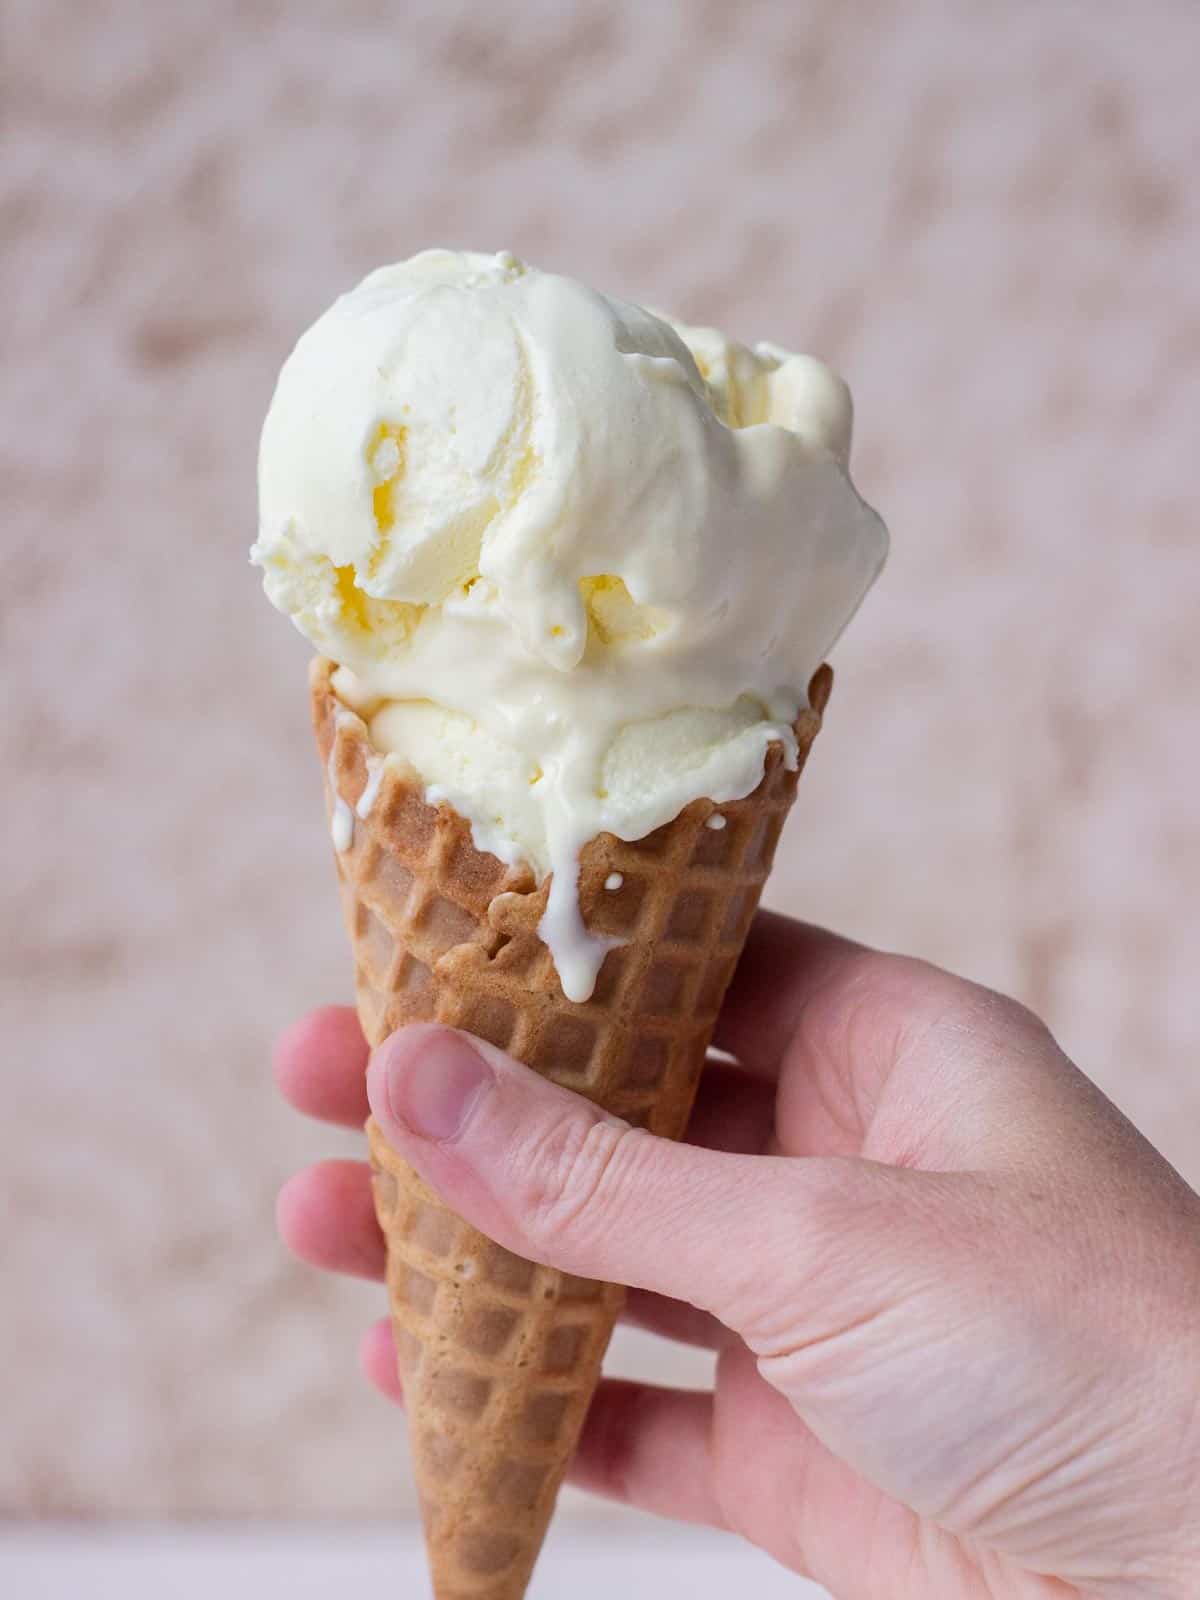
(137, 1563)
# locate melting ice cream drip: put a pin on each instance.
(341, 825)
(576, 814)
(571, 822)
(375, 766)
(578, 955)
(341, 821)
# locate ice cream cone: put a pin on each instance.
(499, 1356)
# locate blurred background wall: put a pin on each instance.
(984, 213)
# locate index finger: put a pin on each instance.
(320, 1065)
(783, 965)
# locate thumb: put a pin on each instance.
(552, 1177)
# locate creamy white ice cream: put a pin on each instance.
(577, 563)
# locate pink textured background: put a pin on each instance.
(984, 213)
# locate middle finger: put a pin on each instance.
(320, 1066)
(326, 1216)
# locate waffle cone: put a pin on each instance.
(500, 1356)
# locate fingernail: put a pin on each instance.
(434, 1079)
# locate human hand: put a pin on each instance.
(955, 1296)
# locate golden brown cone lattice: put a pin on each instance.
(499, 1357)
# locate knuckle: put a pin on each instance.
(567, 1172)
(884, 1002)
(860, 1006)
(986, 1018)
(881, 1001)
(1006, 1014)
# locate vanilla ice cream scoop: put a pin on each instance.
(577, 563)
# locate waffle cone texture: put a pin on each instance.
(499, 1356)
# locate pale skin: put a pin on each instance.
(955, 1295)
